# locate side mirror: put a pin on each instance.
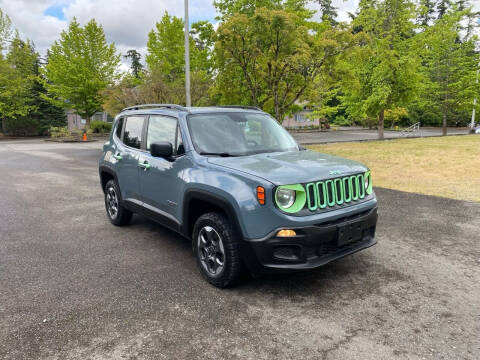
(161, 149)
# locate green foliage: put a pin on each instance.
(166, 61)
(80, 66)
(5, 29)
(136, 65)
(340, 120)
(100, 127)
(274, 56)
(59, 132)
(228, 8)
(22, 107)
(449, 69)
(329, 12)
(381, 71)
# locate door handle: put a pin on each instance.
(117, 157)
(144, 165)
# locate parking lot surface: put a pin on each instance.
(72, 286)
(359, 134)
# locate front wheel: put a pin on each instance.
(217, 250)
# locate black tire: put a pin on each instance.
(232, 268)
(117, 214)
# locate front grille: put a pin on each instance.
(335, 192)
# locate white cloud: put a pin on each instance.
(126, 22)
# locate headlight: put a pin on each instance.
(366, 182)
(285, 197)
(290, 198)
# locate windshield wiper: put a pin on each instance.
(222, 154)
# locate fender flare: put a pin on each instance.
(214, 199)
(106, 169)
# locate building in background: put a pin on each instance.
(301, 119)
(75, 121)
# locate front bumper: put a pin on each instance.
(313, 246)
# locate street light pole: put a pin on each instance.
(472, 124)
(187, 58)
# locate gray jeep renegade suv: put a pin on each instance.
(233, 181)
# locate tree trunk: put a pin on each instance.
(381, 122)
(444, 123)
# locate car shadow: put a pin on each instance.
(354, 276)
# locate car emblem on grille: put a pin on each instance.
(335, 172)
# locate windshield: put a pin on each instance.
(236, 134)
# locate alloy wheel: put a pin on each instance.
(210, 250)
(112, 202)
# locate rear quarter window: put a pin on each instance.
(118, 128)
(132, 135)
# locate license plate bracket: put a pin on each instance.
(349, 233)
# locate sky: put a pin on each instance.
(126, 22)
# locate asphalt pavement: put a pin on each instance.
(359, 134)
(72, 286)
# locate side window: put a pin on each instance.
(161, 128)
(118, 129)
(132, 136)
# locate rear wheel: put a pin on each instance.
(117, 214)
(217, 250)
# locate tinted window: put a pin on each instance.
(161, 129)
(132, 135)
(118, 129)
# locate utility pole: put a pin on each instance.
(472, 124)
(187, 58)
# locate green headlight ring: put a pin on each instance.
(368, 175)
(300, 198)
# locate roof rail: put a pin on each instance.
(240, 107)
(165, 106)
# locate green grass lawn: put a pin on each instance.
(440, 166)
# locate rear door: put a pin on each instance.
(128, 154)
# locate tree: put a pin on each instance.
(329, 12)
(227, 8)
(450, 66)
(166, 58)
(5, 29)
(136, 65)
(25, 111)
(277, 56)
(17, 76)
(442, 7)
(381, 72)
(426, 13)
(80, 66)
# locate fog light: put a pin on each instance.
(286, 233)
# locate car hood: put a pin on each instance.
(291, 167)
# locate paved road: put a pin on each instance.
(362, 134)
(72, 286)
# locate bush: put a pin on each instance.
(63, 132)
(340, 120)
(59, 132)
(21, 126)
(100, 127)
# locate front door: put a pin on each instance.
(160, 179)
(128, 153)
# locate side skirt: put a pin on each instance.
(154, 214)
